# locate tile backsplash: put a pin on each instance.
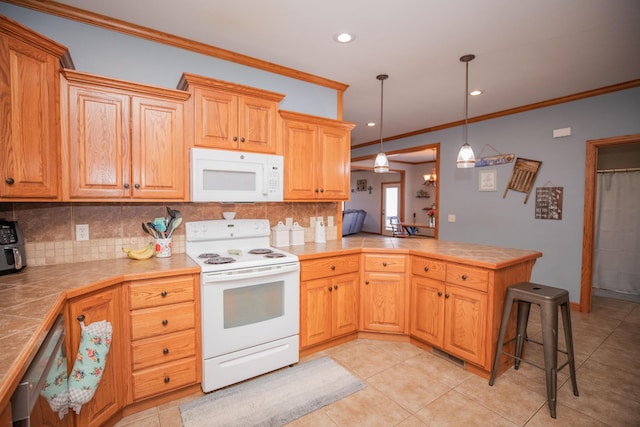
(49, 229)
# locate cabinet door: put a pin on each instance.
(98, 156)
(109, 397)
(29, 127)
(216, 119)
(315, 311)
(158, 148)
(345, 304)
(334, 163)
(300, 157)
(383, 302)
(465, 323)
(256, 126)
(427, 310)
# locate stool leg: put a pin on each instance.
(521, 330)
(549, 313)
(568, 338)
(506, 312)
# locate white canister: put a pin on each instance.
(296, 234)
(280, 235)
(320, 234)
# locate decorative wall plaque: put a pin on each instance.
(549, 202)
(523, 177)
(361, 185)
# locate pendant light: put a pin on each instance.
(466, 158)
(381, 164)
(430, 179)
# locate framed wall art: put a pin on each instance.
(361, 185)
(487, 180)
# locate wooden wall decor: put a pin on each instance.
(361, 185)
(549, 202)
(523, 177)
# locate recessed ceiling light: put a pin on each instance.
(371, 124)
(344, 37)
(476, 92)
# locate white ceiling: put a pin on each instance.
(527, 51)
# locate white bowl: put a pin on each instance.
(229, 215)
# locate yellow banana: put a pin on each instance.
(144, 252)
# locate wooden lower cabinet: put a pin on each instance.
(384, 297)
(164, 335)
(328, 299)
(109, 398)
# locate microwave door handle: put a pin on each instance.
(265, 180)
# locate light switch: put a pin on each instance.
(451, 218)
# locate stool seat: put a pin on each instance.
(549, 299)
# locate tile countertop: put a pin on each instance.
(485, 256)
(31, 299)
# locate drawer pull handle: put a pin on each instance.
(446, 295)
(165, 322)
(439, 293)
(333, 267)
(165, 351)
(166, 380)
(330, 288)
(384, 263)
(80, 318)
(426, 268)
(464, 277)
(163, 294)
(9, 181)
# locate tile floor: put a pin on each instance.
(407, 386)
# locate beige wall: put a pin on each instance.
(49, 228)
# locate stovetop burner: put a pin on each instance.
(274, 255)
(260, 251)
(208, 255)
(220, 260)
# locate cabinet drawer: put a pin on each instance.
(430, 268)
(162, 349)
(326, 267)
(384, 263)
(474, 278)
(155, 292)
(162, 320)
(164, 378)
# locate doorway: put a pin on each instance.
(589, 212)
(392, 203)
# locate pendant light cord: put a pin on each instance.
(382, 78)
(466, 101)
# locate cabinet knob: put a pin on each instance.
(80, 318)
(137, 186)
(166, 380)
(335, 286)
(163, 294)
(126, 185)
(426, 268)
(366, 282)
(330, 288)
(446, 295)
(165, 322)
(322, 190)
(333, 267)
(439, 293)
(464, 277)
(165, 351)
(9, 181)
(316, 190)
(241, 139)
(384, 263)
(235, 138)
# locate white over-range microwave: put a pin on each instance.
(234, 176)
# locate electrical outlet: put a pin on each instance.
(82, 231)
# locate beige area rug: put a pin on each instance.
(273, 399)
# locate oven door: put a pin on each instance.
(247, 307)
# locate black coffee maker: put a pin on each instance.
(13, 257)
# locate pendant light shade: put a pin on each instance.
(466, 158)
(381, 164)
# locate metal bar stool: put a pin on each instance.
(548, 298)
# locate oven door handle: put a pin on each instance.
(250, 273)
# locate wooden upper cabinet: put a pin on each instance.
(29, 114)
(316, 156)
(230, 116)
(122, 140)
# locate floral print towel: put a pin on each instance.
(55, 388)
(89, 365)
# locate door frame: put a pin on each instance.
(589, 220)
(400, 185)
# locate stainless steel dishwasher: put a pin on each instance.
(27, 393)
